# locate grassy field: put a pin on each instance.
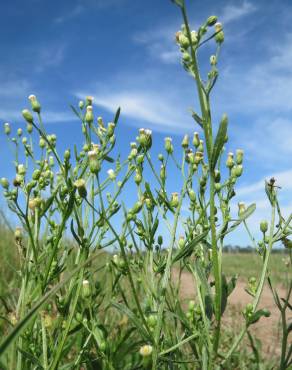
(247, 265)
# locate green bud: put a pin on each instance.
(4, 183)
(81, 104)
(168, 145)
(219, 38)
(86, 289)
(42, 142)
(239, 156)
(140, 159)
(162, 173)
(138, 177)
(241, 208)
(7, 129)
(67, 155)
(196, 139)
(35, 105)
(159, 240)
(238, 170)
(36, 174)
(264, 226)
(29, 128)
(211, 20)
(230, 161)
(185, 141)
(19, 132)
(27, 116)
(181, 242)
(192, 195)
(81, 188)
(174, 201)
(213, 60)
(89, 115)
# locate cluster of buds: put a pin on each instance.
(145, 138)
(252, 285)
(34, 203)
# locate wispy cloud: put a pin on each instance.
(148, 107)
(77, 10)
(50, 56)
(232, 12)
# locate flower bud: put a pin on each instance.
(18, 235)
(4, 183)
(146, 350)
(86, 289)
(145, 138)
(21, 170)
(196, 140)
(138, 177)
(19, 132)
(89, 115)
(219, 38)
(174, 201)
(238, 170)
(201, 146)
(211, 20)
(186, 57)
(160, 240)
(217, 176)
(42, 142)
(192, 195)
(111, 129)
(7, 128)
(198, 157)
(264, 226)
(81, 188)
(35, 105)
(81, 104)
(239, 156)
(230, 161)
(140, 158)
(181, 242)
(185, 141)
(111, 174)
(183, 41)
(89, 100)
(194, 37)
(36, 174)
(241, 208)
(213, 60)
(137, 207)
(94, 164)
(168, 145)
(192, 305)
(24, 140)
(34, 203)
(27, 116)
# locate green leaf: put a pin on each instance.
(79, 115)
(189, 248)
(117, 115)
(258, 314)
(135, 320)
(224, 294)
(231, 284)
(248, 212)
(22, 324)
(219, 141)
(197, 118)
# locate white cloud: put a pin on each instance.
(233, 12)
(77, 10)
(154, 109)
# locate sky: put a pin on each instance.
(123, 53)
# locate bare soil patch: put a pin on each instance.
(267, 329)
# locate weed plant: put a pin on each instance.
(77, 307)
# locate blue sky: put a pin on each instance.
(123, 53)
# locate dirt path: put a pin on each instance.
(266, 329)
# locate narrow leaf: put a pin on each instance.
(219, 141)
